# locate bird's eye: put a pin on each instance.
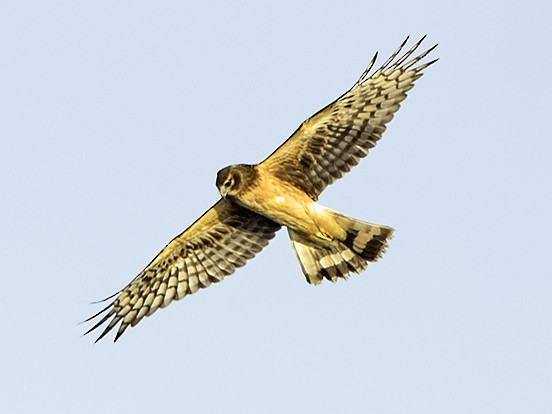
(228, 183)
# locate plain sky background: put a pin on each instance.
(115, 117)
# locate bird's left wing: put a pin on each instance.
(219, 242)
(332, 141)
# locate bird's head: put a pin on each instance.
(236, 179)
(229, 181)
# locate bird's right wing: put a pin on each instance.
(219, 242)
(332, 141)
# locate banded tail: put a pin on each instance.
(365, 242)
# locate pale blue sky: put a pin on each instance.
(115, 118)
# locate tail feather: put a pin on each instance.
(364, 242)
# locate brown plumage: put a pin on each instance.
(281, 191)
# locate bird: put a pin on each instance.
(281, 191)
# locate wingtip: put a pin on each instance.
(432, 48)
(104, 333)
(97, 314)
(106, 299)
(368, 68)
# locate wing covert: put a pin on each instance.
(218, 243)
(332, 141)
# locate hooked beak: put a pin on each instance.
(223, 192)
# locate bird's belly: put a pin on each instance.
(297, 212)
(289, 212)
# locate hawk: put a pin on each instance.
(257, 200)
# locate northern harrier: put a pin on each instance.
(281, 191)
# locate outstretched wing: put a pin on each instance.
(332, 141)
(219, 242)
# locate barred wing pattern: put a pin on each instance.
(331, 142)
(218, 243)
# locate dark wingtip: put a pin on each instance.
(104, 333)
(96, 314)
(106, 299)
(368, 68)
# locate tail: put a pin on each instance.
(365, 242)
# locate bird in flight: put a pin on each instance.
(257, 200)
